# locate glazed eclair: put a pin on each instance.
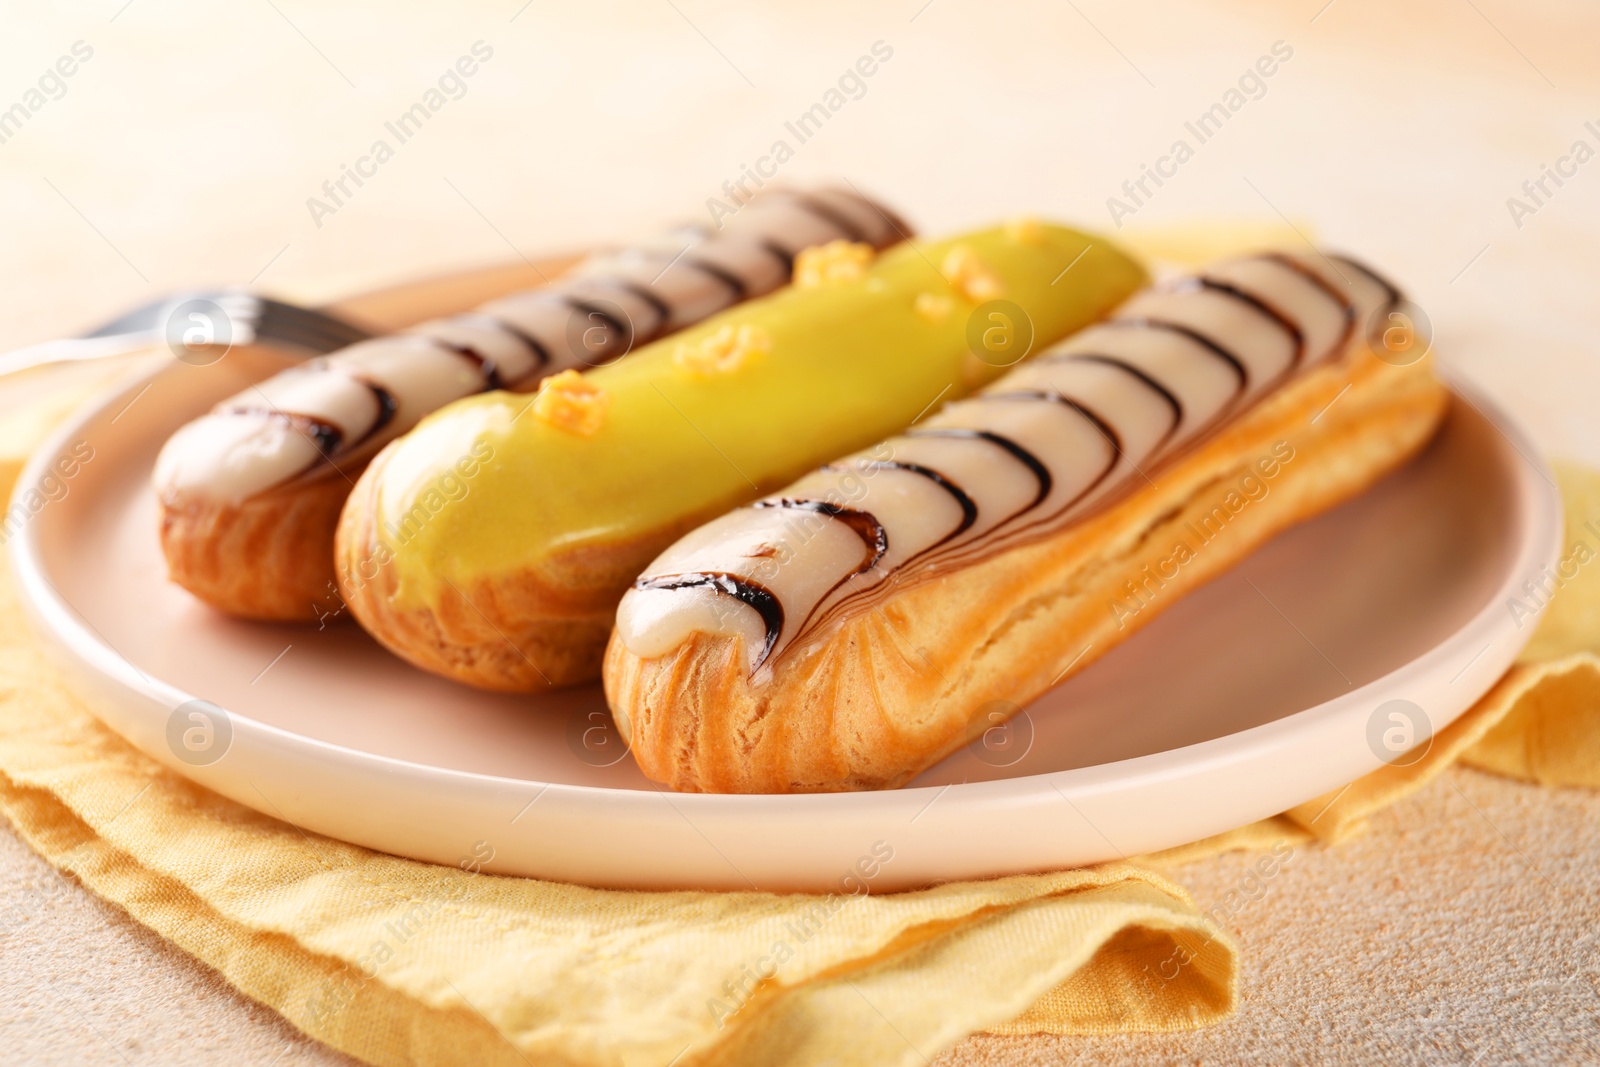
(492, 543)
(250, 493)
(850, 630)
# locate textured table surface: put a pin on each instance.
(184, 149)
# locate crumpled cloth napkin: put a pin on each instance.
(399, 962)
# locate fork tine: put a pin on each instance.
(311, 328)
(271, 321)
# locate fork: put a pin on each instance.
(198, 327)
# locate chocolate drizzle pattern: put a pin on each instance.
(969, 510)
(864, 524)
(325, 436)
(737, 289)
(1167, 396)
(1016, 451)
(535, 347)
(1102, 424)
(782, 255)
(662, 309)
(1055, 438)
(1328, 289)
(1257, 304)
(850, 228)
(597, 313)
(1213, 347)
(744, 590)
(1392, 293)
(386, 408)
(486, 366)
(1393, 297)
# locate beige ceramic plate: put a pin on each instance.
(1343, 643)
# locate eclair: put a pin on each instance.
(492, 543)
(251, 492)
(852, 629)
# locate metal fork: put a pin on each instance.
(198, 327)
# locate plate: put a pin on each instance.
(1347, 642)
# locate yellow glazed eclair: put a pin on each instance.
(251, 492)
(492, 543)
(861, 624)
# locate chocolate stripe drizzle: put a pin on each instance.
(1347, 307)
(323, 435)
(1017, 452)
(753, 594)
(969, 516)
(1234, 362)
(1288, 326)
(1174, 405)
(1392, 295)
(1115, 452)
(611, 322)
(386, 409)
(662, 309)
(936, 554)
(486, 366)
(1046, 482)
(736, 286)
(783, 255)
(863, 524)
(1055, 396)
(494, 322)
(847, 226)
(969, 508)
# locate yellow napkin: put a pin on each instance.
(397, 962)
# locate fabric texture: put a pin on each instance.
(399, 962)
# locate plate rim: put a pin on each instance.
(64, 631)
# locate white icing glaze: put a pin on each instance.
(502, 353)
(346, 406)
(1035, 451)
(1264, 350)
(666, 618)
(246, 450)
(761, 269)
(925, 513)
(1165, 358)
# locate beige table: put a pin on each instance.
(184, 149)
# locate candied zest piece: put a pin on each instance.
(970, 276)
(724, 351)
(933, 307)
(1026, 231)
(836, 261)
(569, 401)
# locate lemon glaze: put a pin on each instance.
(847, 363)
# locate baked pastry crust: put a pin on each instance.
(883, 694)
(511, 633)
(268, 557)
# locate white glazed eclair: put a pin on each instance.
(846, 632)
(251, 492)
